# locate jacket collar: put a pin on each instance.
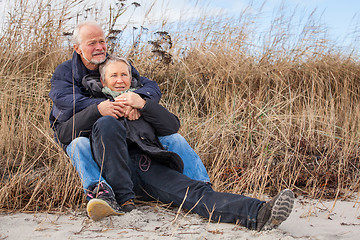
(78, 68)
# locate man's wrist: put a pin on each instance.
(98, 109)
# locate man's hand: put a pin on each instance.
(134, 114)
(114, 109)
(131, 99)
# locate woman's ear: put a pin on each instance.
(102, 82)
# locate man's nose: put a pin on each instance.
(99, 45)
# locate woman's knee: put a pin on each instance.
(108, 125)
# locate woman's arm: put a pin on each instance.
(164, 122)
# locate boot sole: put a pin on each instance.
(98, 209)
(281, 210)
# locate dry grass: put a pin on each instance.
(285, 114)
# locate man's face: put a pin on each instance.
(117, 76)
(92, 48)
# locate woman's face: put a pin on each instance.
(117, 76)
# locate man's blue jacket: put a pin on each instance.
(69, 96)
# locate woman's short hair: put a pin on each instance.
(112, 59)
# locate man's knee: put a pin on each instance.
(79, 144)
(174, 139)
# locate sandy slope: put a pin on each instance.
(309, 220)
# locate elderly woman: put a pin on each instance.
(130, 151)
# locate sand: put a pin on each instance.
(310, 219)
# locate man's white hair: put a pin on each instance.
(76, 35)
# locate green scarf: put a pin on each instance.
(114, 94)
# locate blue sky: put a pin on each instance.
(340, 17)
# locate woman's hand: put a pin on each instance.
(131, 99)
(132, 103)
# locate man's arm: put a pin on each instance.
(67, 94)
(149, 90)
(80, 124)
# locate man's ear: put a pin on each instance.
(77, 49)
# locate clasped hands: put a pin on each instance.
(126, 105)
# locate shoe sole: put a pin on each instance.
(98, 209)
(281, 210)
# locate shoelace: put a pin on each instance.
(128, 202)
(100, 189)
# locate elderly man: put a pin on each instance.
(130, 151)
(69, 97)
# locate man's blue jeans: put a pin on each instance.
(79, 151)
